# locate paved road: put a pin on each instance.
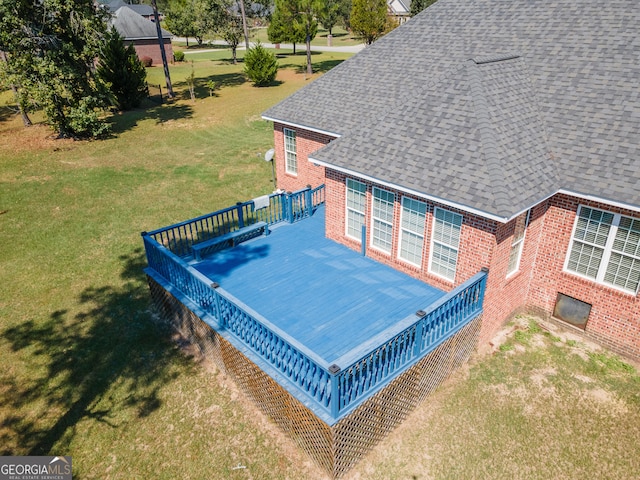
(301, 47)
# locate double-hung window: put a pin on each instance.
(290, 152)
(356, 205)
(412, 222)
(382, 219)
(517, 243)
(445, 242)
(605, 247)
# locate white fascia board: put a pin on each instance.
(304, 127)
(594, 198)
(410, 191)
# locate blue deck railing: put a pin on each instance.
(283, 207)
(331, 390)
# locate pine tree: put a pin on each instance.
(120, 69)
(260, 65)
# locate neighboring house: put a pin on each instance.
(143, 10)
(142, 33)
(512, 143)
(399, 10)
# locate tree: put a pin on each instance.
(369, 19)
(232, 32)
(50, 48)
(329, 14)
(180, 19)
(282, 27)
(418, 5)
(120, 69)
(260, 65)
(305, 20)
(295, 20)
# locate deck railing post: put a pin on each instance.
(419, 327)
(216, 301)
(240, 215)
(308, 198)
(334, 378)
(289, 200)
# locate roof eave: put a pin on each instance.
(302, 126)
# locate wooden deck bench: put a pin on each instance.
(228, 240)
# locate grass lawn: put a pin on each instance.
(341, 38)
(87, 373)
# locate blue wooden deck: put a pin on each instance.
(328, 297)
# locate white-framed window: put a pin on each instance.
(517, 243)
(356, 207)
(412, 221)
(445, 242)
(382, 219)
(605, 247)
(290, 152)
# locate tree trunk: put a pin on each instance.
(233, 52)
(309, 69)
(163, 53)
(244, 24)
(25, 118)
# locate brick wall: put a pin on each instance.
(150, 48)
(306, 142)
(615, 315)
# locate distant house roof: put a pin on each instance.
(140, 9)
(133, 26)
(399, 7)
(489, 105)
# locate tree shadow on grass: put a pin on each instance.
(123, 121)
(111, 345)
(7, 112)
(201, 89)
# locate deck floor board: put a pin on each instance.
(325, 295)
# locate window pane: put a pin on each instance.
(382, 219)
(593, 226)
(446, 238)
(290, 152)
(356, 207)
(623, 271)
(412, 230)
(585, 259)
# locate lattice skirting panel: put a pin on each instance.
(335, 448)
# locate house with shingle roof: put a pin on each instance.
(512, 143)
(142, 34)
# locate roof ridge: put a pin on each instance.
(487, 137)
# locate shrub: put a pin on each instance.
(147, 61)
(260, 66)
(178, 56)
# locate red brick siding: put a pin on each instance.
(615, 315)
(150, 48)
(306, 143)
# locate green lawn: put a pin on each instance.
(87, 373)
(341, 38)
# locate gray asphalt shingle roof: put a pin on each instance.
(489, 104)
(133, 26)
